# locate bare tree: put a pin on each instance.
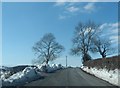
(47, 48)
(82, 39)
(102, 46)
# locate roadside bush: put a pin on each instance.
(109, 63)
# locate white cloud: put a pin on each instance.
(110, 30)
(114, 24)
(72, 9)
(103, 25)
(59, 3)
(69, 9)
(61, 17)
(89, 7)
(110, 24)
(114, 39)
(119, 39)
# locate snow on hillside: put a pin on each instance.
(111, 76)
(28, 74)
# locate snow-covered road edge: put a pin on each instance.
(29, 74)
(111, 76)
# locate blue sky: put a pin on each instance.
(24, 24)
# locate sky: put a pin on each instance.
(60, 0)
(24, 23)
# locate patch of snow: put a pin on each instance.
(111, 76)
(4, 75)
(54, 67)
(49, 68)
(27, 75)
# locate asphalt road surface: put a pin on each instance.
(69, 77)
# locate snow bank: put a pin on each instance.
(4, 75)
(5, 72)
(108, 75)
(27, 75)
(54, 67)
(50, 68)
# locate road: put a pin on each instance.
(69, 77)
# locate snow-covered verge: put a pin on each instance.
(111, 76)
(27, 75)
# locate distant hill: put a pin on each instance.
(5, 68)
(15, 68)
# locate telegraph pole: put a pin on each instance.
(66, 61)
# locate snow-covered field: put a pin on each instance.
(111, 76)
(27, 75)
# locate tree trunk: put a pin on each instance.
(103, 55)
(86, 57)
(47, 61)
